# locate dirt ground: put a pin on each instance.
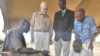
(96, 50)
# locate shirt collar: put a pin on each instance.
(42, 14)
(63, 11)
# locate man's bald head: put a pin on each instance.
(80, 14)
(81, 10)
(44, 7)
(43, 3)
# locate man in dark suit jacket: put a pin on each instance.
(63, 25)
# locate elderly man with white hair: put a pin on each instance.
(41, 28)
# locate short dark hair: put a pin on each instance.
(64, 1)
(77, 41)
(24, 21)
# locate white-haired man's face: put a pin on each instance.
(44, 8)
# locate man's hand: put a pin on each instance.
(45, 53)
(8, 53)
(91, 42)
(90, 46)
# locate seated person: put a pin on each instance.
(78, 50)
(15, 42)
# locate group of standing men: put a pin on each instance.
(41, 30)
(84, 28)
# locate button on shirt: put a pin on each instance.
(40, 21)
(85, 29)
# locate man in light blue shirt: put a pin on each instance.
(85, 28)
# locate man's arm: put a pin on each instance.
(55, 23)
(51, 32)
(72, 22)
(91, 41)
(32, 27)
(32, 34)
(93, 32)
(24, 50)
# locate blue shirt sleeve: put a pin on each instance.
(93, 26)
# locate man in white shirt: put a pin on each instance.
(78, 50)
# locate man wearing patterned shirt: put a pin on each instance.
(85, 28)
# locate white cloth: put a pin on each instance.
(83, 52)
(59, 45)
(2, 35)
(85, 46)
(41, 40)
(63, 12)
(1, 21)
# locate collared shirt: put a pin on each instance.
(85, 29)
(63, 11)
(83, 52)
(40, 22)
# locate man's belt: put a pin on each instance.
(41, 30)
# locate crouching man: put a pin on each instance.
(78, 50)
